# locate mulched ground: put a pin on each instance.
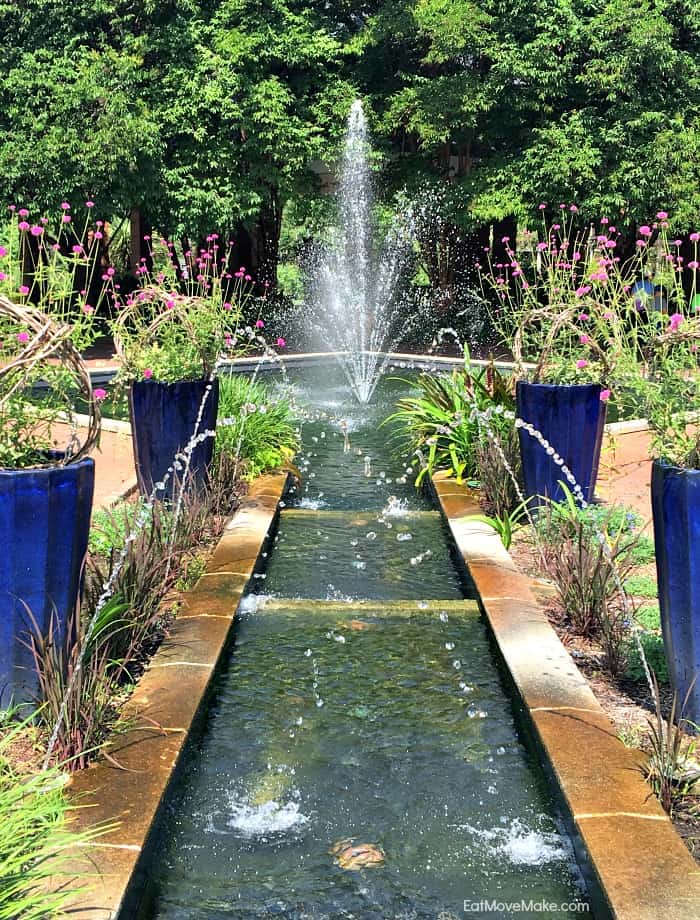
(628, 703)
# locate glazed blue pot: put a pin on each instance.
(675, 504)
(44, 527)
(571, 418)
(163, 420)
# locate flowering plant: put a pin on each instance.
(580, 313)
(185, 316)
(46, 270)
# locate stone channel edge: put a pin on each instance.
(640, 864)
(129, 790)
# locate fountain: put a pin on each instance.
(355, 288)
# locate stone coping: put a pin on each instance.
(129, 790)
(639, 863)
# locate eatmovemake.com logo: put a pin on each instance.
(523, 906)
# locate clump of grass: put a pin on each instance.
(35, 838)
(264, 435)
(101, 661)
(670, 770)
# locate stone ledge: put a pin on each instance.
(641, 865)
(128, 791)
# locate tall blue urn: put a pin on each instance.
(571, 418)
(675, 504)
(44, 527)
(163, 421)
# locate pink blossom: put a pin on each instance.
(541, 247)
(77, 248)
(248, 278)
(23, 212)
(576, 256)
(573, 209)
(3, 252)
(644, 230)
(3, 276)
(693, 264)
(604, 395)
(675, 321)
(228, 306)
(65, 205)
(259, 324)
(608, 315)
(281, 342)
(22, 337)
(605, 220)
(584, 339)
(584, 289)
(583, 317)
(170, 304)
(661, 215)
(23, 289)
(641, 243)
(99, 394)
(66, 219)
(98, 235)
(89, 204)
(37, 231)
(148, 373)
(678, 242)
(541, 207)
(581, 363)
(88, 309)
(695, 237)
(23, 225)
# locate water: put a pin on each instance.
(370, 710)
(356, 288)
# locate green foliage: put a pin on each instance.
(654, 652)
(671, 754)
(644, 550)
(505, 525)
(588, 554)
(642, 586)
(263, 435)
(34, 838)
(441, 426)
(649, 616)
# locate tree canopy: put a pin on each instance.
(209, 114)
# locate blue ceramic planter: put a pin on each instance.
(163, 419)
(572, 419)
(44, 526)
(675, 502)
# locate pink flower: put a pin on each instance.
(675, 321)
(77, 248)
(23, 225)
(23, 289)
(693, 264)
(541, 247)
(576, 256)
(605, 220)
(573, 209)
(604, 395)
(89, 204)
(65, 205)
(98, 235)
(645, 231)
(584, 289)
(87, 309)
(584, 339)
(583, 317)
(99, 394)
(23, 212)
(66, 219)
(695, 237)
(3, 276)
(281, 342)
(148, 373)
(170, 304)
(678, 242)
(608, 315)
(505, 239)
(228, 306)
(259, 324)
(3, 251)
(23, 337)
(661, 215)
(248, 278)
(37, 231)
(581, 363)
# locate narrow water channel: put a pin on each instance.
(361, 706)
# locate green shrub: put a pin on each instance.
(644, 552)
(653, 645)
(649, 616)
(642, 586)
(439, 425)
(264, 435)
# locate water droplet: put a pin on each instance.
(319, 703)
(457, 664)
(340, 639)
(371, 535)
(404, 537)
(449, 646)
(443, 616)
(307, 653)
